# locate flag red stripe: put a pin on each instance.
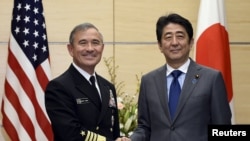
(22, 115)
(42, 77)
(213, 51)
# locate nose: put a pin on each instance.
(174, 41)
(89, 46)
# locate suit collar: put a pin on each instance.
(83, 72)
(183, 68)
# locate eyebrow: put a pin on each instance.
(90, 40)
(178, 32)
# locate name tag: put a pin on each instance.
(82, 100)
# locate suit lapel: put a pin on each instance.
(189, 84)
(90, 93)
(105, 99)
(106, 94)
(83, 86)
(161, 84)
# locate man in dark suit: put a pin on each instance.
(81, 109)
(203, 97)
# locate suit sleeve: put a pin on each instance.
(220, 109)
(141, 133)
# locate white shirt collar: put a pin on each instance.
(182, 68)
(83, 72)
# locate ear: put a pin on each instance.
(70, 49)
(191, 43)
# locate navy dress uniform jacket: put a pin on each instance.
(74, 110)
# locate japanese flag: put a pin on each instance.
(212, 42)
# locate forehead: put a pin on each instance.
(174, 28)
(90, 33)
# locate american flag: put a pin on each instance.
(27, 74)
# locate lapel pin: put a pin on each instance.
(196, 77)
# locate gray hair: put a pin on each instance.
(82, 27)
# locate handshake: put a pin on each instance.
(123, 139)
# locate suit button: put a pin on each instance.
(172, 128)
(97, 128)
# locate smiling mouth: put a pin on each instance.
(89, 56)
(175, 51)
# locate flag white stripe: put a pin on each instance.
(232, 110)
(46, 68)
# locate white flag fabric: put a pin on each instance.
(212, 42)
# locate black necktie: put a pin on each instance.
(92, 80)
(174, 93)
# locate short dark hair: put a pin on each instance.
(173, 18)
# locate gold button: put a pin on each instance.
(97, 128)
